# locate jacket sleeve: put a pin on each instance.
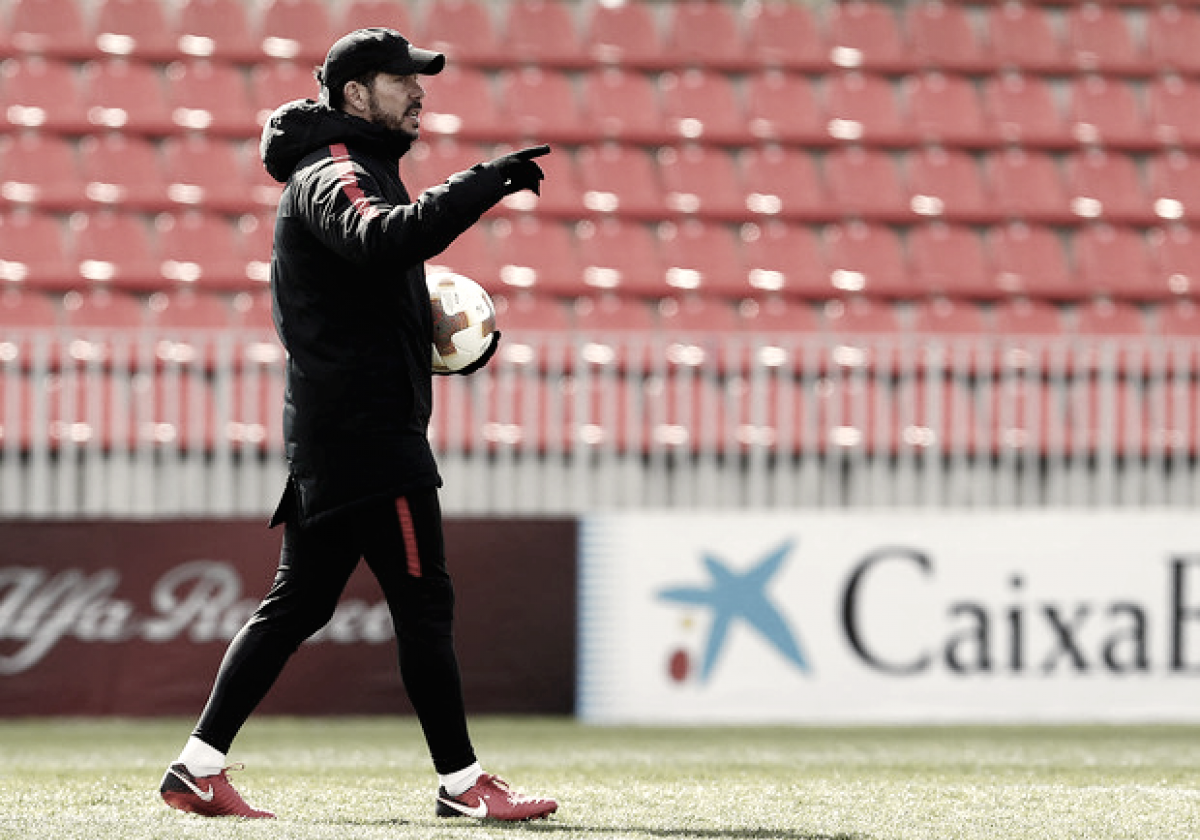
(344, 206)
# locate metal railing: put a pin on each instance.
(145, 424)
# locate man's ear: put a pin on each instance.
(355, 95)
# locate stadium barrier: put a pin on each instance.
(132, 618)
(140, 423)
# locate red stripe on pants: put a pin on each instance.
(410, 537)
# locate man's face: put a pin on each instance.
(395, 103)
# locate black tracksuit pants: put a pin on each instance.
(402, 543)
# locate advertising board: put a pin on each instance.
(890, 617)
(132, 618)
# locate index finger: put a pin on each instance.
(534, 151)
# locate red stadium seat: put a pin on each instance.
(704, 258)
(1105, 111)
(123, 171)
(786, 260)
(1115, 262)
(1024, 316)
(866, 35)
(948, 184)
(272, 83)
(357, 14)
(26, 319)
(43, 95)
(1028, 185)
(1171, 111)
(542, 33)
(951, 260)
(1177, 255)
(203, 250)
(537, 255)
(862, 108)
(1029, 331)
(33, 253)
(40, 171)
(1110, 331)
(431, 162)
(621, 180)
(868, 259)
(465, 31)
(1172, 32)
(294, 30)
(541, 106)
(704, 107)
(126, 96)
(1031, 260)
(701, 33)
(470, 254)
(1022, 107)
(188, 324)
(786, 36)
(622, 256)
(784, 182)
(624, 35)
(703, 182)
(855, 325)
(945, 109)
(866, 183)
(135, 28)
(208, 174)
(950, 317)
(1099, 40)
(211, 97)
(695, 328)
(115, 250)
(784, 108)
(99, 321)
(1179, 319)
(605, 324)
(775, 317)
(217, 29)
(52, 28)
(1022, 37)
(535, 330)
(1104, 318)
(1108, 186)
(623, 105)
(943, 37)
(460, 103)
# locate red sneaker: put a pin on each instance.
(208, 796)
(490, 798)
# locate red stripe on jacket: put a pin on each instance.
(349, 181)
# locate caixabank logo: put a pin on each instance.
(890, 617)
(730, 597)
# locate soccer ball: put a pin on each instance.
(464, 321)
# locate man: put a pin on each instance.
(353, 312)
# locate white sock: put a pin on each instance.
(458, 783)
(200, 759)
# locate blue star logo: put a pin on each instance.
(731, 597)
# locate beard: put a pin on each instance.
(389, 122)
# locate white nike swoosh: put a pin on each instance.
(205, 795)
(479, 811)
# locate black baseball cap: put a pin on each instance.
(375, 48)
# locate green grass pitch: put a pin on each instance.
(369, 778)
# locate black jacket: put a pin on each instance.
(351, 306)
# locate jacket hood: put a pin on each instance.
(298, 128)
